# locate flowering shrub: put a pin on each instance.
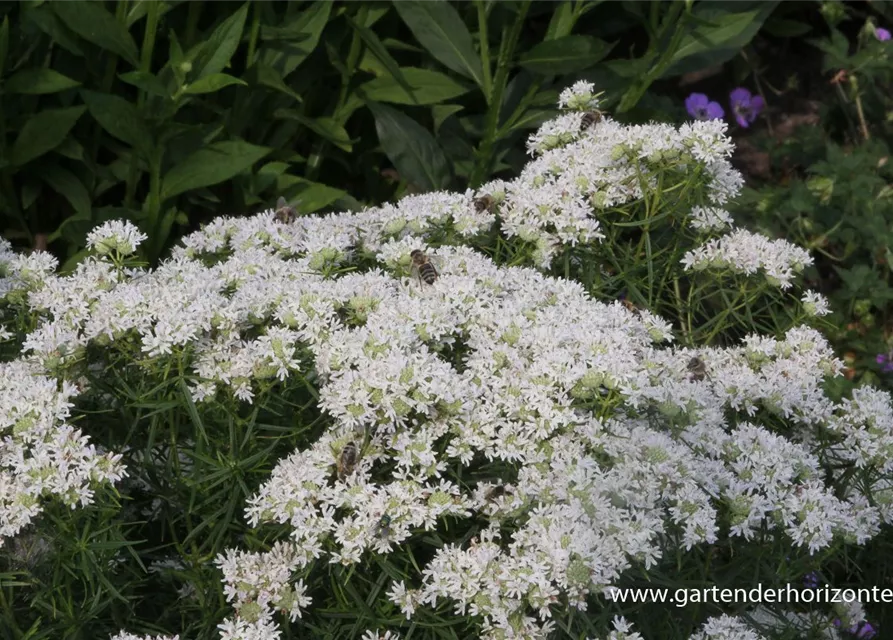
(485, 455)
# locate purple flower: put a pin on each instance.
(881, 34)
(884, 359)
(745, 106)
(862, 631)
(700, 107)
(811, 580)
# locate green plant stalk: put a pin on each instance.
(485, 49)
(506, 54)
(255, 33)
(314, 161)
(152, 10)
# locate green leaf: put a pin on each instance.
(214, 164)
(43, 132)
(120, 118)
(218, 49)
(65, 183)
(92, 22)
(381, 54)
(721, 36)
(438, 27)
(212, 83)
(146, 81)
(269, 77)
(44, 19)
(782, 28)
(411, 148)
(39, 81)
(565, 55)
(429, 87)
(441, 112)
(562, 21)
(309, 196)
(305, 31)
(324, 127)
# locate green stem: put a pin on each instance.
(152, 10)
(506, 54)
(255, 34)
(485, 48)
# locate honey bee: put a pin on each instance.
(484, 203)
(590, 119)
(285, 213)
(628, 304)
(697, 369)
(347, 461)
(383, 530)
(493, 493)
(421, 263)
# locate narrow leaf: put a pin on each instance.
(286, 54)
(324, 127)
(212, 83)
(438, 27)
(428, 87)
(39, 81)
(43, 132)
(92, 22)
(381, 54)
(145, 81)
(411, 148)
(218, 50)
(269, 77)
(119, 118)
(65, 183)
(565, 55)
(214, 164)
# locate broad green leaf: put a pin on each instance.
(211, 165)
(92, 22)
(324, 127)
(65, 183)
(119, 118)
(377, 49)
(309, 196)
(562, 21)
(43, 132)
(146, 81)
(438, 27)
(411, 148)
(212, 83)
(269, 77)
(441, 112)
(286, 55)
(565, 55)
(44, 19)
(782, 28)
(721, 36)
(218, 49)
(38, 81)
(429, 87)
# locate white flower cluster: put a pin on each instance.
(42, 454)
(121, 236)
(744, 252)
(603, 448)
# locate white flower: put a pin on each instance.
(116, 235)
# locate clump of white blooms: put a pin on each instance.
(614, 447)
(815, 304)
(710, 218)
(116, 235)
(726, 628)
(744, 252)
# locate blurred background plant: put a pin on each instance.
(168, 113)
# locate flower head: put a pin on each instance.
(700, 107)
(745, 106)
(881, 34)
